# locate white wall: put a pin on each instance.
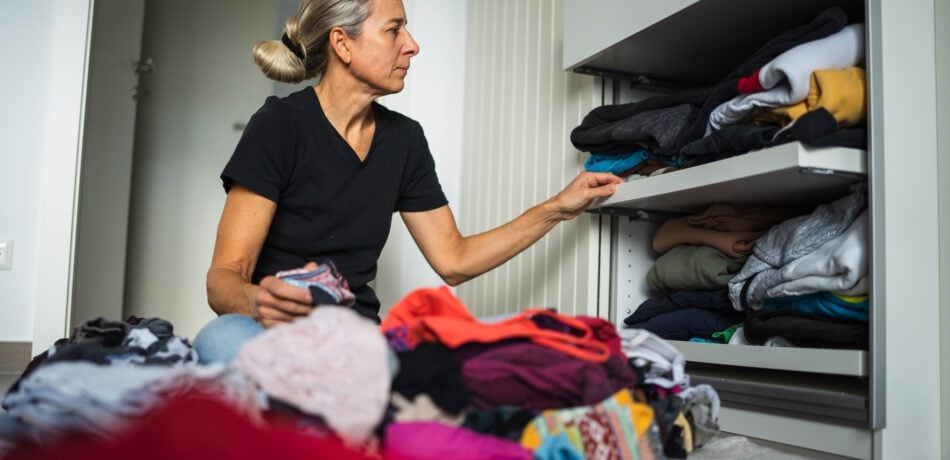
(434, 97)
(204, 82)
(519, 110)
(22, 123)
(40, 122)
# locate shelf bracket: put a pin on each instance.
(636, 81)
(833, 172)
(636, 214)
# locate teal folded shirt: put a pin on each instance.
(823, 303)
(616, 164)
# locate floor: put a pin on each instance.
(727, 446)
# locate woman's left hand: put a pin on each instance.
(583, 190)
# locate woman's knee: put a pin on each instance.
(221, 339)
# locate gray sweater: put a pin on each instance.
(789, 241)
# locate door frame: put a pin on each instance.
(59, 174)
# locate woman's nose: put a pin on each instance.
(412, 48)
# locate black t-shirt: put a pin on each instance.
(329, 204)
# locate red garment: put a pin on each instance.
(750, 84)
(604, 331)
(424, 302)
(193, 428)
(437, 315)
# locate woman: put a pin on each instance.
(320, 173)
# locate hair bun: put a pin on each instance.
(278, 62)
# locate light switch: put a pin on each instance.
(6, 253)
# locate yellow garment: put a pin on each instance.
(619, 409)
(842, 92)
(642, 414)
(851, 298)
(687, 432)
(530, 438)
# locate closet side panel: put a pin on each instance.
(519, 110)
(905, 226)
(942, 23)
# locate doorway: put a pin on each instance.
(173, 82)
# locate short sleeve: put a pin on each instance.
(421, 190)
(264, 157)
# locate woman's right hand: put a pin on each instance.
(277, 301)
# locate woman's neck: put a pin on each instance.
(345, 102)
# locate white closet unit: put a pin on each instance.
(823, 399)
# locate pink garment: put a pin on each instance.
(327, 285)
(332, 363)
(678, 231)
(664, 392)
(435, 441)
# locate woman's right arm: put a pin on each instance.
(241, 232)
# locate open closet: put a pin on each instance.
(835, 400)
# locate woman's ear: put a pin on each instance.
(340, 43)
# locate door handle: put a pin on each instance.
(143, 66)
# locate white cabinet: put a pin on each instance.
(857, 403)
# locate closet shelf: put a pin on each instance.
(785, 175)
(682, 43)
(816, 360)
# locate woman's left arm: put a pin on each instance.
(458, 259)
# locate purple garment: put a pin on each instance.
(398, 339)
(435, 441)
(551, 323)
(532, 376)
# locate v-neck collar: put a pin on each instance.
(348, 150)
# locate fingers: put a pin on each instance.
(272, 311)
(269, 323)
(604, 190)
(269, 314)
(278, 302)
(279, 289)
(289, 307)
(598, 179)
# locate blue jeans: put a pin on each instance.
(222, 338)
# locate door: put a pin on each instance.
(204, 88)
(106, 170)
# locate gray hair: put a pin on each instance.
(309, 29)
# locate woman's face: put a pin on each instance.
(381, 53)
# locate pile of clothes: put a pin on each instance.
(552, 383)
(806, 85)
(431, 382)
(772, 276)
